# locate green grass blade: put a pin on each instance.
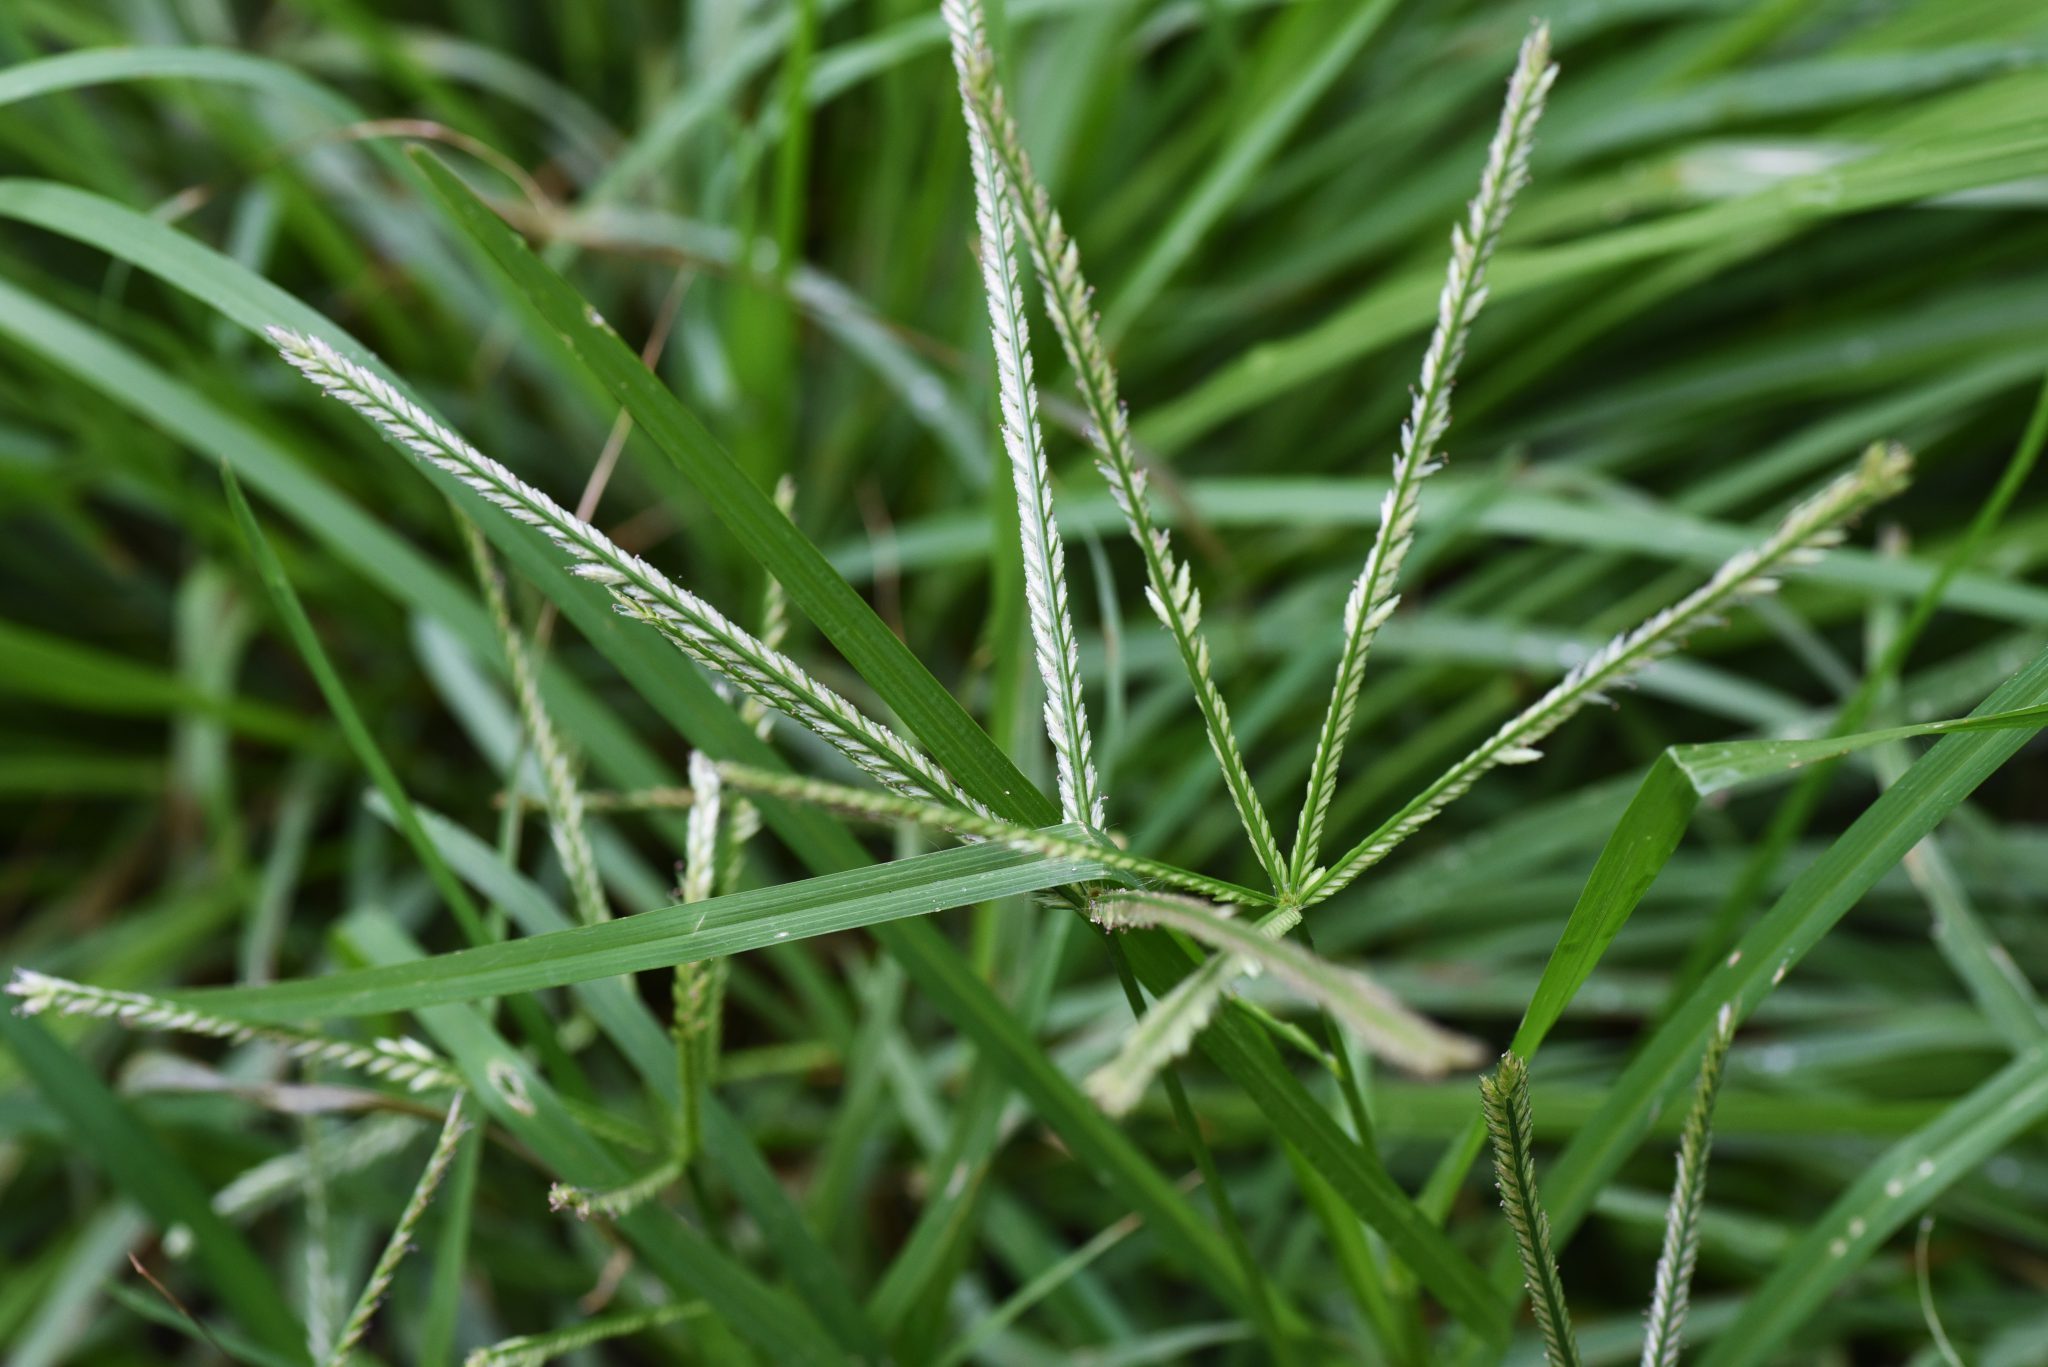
(107, 1131)
(683, 933)
(368, 753)
(1910, 1176)
(526, 1107)
(1806, 911)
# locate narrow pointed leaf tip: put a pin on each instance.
(638, 589)
(1374, 594)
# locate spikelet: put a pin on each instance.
(1373, 596)
(406, 1062)
(1379, 1019)
(698, 988)
(887, 807)
(585, 1204)
(1504, 1096)
(1169, 584)
(1808, 529)
(559, 789)
(534, 1350)
(638, 589)
(1664, 1335)
(400, 1242)
(1045, 562)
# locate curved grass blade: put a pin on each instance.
(1901, 1184)
(1806, 911)
(683, 933)
(1045, 556)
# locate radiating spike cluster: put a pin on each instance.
(1808, 529)
(639, 590)
(1374, 594)
(400, 1242)
(1664, 1335)
(1504, 1096)
(1379, 1019)
(560, 790)
(1045, 560)
(406, 1062)
(1169, 585)
(861, 802)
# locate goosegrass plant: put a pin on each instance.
(980, 951)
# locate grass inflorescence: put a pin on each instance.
(795, 583)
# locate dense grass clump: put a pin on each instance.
(995, 682)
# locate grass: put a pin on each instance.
(720, 760)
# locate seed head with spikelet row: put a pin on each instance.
(1375, 593)
(638, 589)
(400, 1242)
(561, 793)
(404, 1061)
(1169, 582)
(1045, 569)
(1804, 533)
(1504, 1096)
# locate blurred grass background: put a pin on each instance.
(1760, 235)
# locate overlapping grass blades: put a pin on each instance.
(1261, 190)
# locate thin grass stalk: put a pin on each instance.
(886, 807)
(1504, 1095)
(406, 1062)
(534, 1350)
(1169, 586)
(1045, 561)
(400, 1242)
(1375, 594)
(1810, 527)
(698, 989)
(560, 792)
(638, 589)
(1664, 1335)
